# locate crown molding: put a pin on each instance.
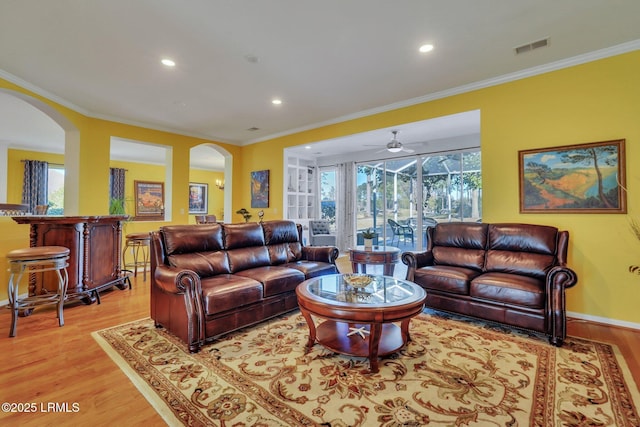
(495, 81)
(553, 66)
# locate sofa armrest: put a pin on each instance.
(415, 260)
(558, 279)
(186, 286)
(174, 281)
(320, 253)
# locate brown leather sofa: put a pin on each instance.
(514, 274)
(210, 279)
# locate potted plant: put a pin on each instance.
(368, 235)
(245, 214)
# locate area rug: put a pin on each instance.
(453, 372)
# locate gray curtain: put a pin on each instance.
(346, 205)
(116, 183)
(34, 188)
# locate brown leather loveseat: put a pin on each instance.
(210, 279)
(514, 274)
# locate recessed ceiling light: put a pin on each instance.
(168, 62)
(276, 101)
(426, 48)
(307, 147)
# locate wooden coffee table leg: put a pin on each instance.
(374, 341)
(312, 328)
(389, 268)
(404, 330)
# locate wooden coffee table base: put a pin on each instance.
(379, 339)
(334, 336)
(371, 327)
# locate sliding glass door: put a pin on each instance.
(400, 200)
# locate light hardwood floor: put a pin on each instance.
(46, 363)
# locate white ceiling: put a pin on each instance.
(327, 60)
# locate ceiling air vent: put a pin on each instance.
(531, 46)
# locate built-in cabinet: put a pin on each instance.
(301, 190)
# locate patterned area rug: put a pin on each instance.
(454, 372)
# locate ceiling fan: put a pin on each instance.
(395, 146)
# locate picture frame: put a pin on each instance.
(580, 178)
(149, 197)
(198, 198)
(260, 189)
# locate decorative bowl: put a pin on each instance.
(358, 280)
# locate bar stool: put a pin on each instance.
(36, 260)
(138, 243)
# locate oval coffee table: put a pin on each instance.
(360, 321)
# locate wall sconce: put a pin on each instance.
(220, 184)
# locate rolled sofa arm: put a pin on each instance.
(174, 281)
(558, 279)
(182, 304)
(415, 260)
(320, 253)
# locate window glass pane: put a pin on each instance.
(328, 195)
(55, 190)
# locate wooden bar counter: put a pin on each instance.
(95, 244)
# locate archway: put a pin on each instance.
(68, 143)
(209, 160)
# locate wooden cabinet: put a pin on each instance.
(95, 244)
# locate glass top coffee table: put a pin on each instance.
(358, 318)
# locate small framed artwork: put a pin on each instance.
(260, 189)
(149, 200)
(198, 198)
(582, 178)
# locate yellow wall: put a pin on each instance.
(598, 101)
(592, 102)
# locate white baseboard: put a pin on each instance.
(605, 320)
(5, 302)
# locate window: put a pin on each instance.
(55, 190)
(328, 195)
(391, 200)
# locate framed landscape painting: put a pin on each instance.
(583, 178)
(149, 200)
(198, 198)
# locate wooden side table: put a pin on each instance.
(385, 255)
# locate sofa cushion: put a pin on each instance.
(509, 289)
(243, 235)
(228, 291)
(283, 252)
(460, 257)
(460, 244)
(275, 280)
(249, 257)
(521, 249)
(312, 268)
(280, 232)
(445, 278)
(182, 239)
(205, 264)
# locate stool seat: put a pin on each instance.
(39, 259)
(37, 253)
(137, 243)
(138, 236)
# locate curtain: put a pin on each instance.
(34, 187)
(116, 183)
(346, 205)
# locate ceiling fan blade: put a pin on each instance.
(408, 150)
